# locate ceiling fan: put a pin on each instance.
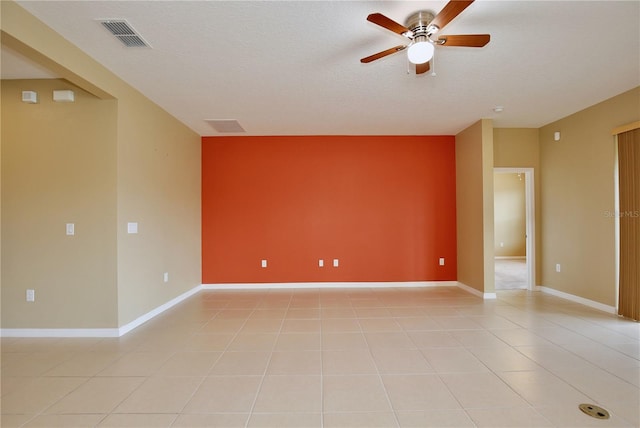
(420, 29)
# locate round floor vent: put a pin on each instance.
(594, 411)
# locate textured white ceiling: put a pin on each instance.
(292, 67)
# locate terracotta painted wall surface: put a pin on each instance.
(383, 206)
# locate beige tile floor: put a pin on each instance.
(393, 357)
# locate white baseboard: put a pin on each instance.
(59, 332)
(486, 296)
(157, 311)
(121, 331)
(577, 299)
(97, 332)
(286, 285)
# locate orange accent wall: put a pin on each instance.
(384, 206)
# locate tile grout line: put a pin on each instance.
(321, 366)
(266, 368)
(523, 313)
(204, 378)
(559, 325)
(384, 387)
(532, 405)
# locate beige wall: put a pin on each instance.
(159, 188)
(516, 148)
(577, 191)
(156, 170)
(509, 215)
(474, 206)
(520, 148)
(59, 166)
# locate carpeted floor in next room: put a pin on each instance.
(510, 274)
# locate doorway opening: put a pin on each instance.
(514, 225)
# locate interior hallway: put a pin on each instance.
(336, 357)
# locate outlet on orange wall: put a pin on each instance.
(384, 206)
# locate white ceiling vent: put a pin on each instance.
(123, 31)
(225, 125)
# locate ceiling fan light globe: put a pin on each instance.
(420, 52)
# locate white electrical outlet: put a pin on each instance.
(165, 277)
(336, 262)
(558, 267)
(263, 263)
(31, 295)
(320, 263)
(71, 229)
(441, 261)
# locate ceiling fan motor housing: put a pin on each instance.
(419, 22)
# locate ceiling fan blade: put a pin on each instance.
(383, 54)
(389, 24)
(422, 68)
(450, 11)
(470, 40)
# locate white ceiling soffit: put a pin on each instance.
(292, 67)
(15, 65)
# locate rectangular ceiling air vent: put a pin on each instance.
(123, 31)
(225, 125)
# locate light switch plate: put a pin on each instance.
(71, 228)
(132, 228)
(264, 263)
(441, 261)
(336, 262)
